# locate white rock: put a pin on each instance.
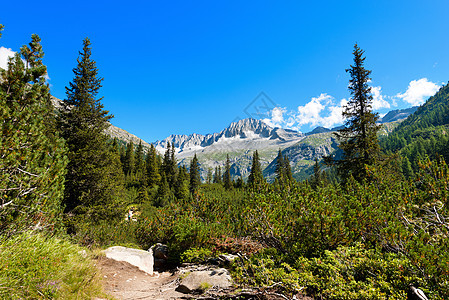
(140, 258)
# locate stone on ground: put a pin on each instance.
(200, 280)
(140, 258)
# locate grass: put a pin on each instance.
(33, 266)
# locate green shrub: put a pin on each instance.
(196, 255)
(345, 273)
(33, 266)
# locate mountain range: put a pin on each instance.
(240, 139)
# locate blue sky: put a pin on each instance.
(179, 67)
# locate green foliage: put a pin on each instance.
(358, 139)
(195, 179)
(153, 167)
(227, 181)
(129, 161)
(196, 255)
(169, 165)
(33, 161)
(283, 170)
(423, 133)
(94, 180)
(33, 266)
(345, 273)
(104, 233)
(255, 177)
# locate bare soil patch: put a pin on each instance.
(125, 281)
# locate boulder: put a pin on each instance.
(160, 251)
(226, 259)
(197, 281)
(140, 258)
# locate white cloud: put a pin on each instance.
(325, 111)
(319, 111)
(378, 99)
(276, 117)
(310, 113)
(418, 91)
(335, 116)
(4, 54)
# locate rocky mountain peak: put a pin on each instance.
(243, 131)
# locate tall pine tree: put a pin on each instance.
(195, 179)
(152, 166)
(358, 139)
(32, 164)
(227, 181)
(93, 181)
(255, 177)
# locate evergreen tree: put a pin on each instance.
(218, 178)
(407, 168)
(140, 159)
(164, 193)
(315, 180)
(182, 184)
(153, 175)
(169, 165)
(209, 176)
(130, 160)
(93, 182)
(280, 167)
(227, 181)
(239, 184)
(33, 162)
(358, 139)
(288, 170)
(195, 179)
(255, 176)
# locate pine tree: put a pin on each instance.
(218, 178)
(169, 165)
(93, 180)
(315, 180)
(153, 175)
(280, 171)
(288, 170)
(239, 184)
(227, 181)
(139, 166)
(182, 185)
(358, 139)
(164, 194)
(209, 176)
(195, 179)
(140, 159)
(130, 160)
(32, 164)
(255, 176)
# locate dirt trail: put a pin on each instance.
(124, 281)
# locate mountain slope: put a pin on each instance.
(425, 132)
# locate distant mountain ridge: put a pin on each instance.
(243, 131)
(398, 114)
(240, 139)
